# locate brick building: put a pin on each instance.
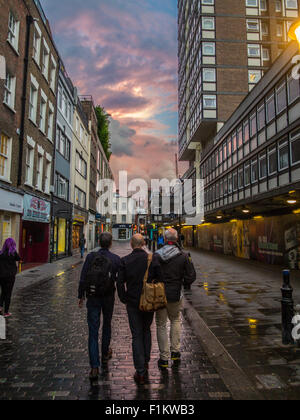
(225, 47)
(37, 134)
(13, 22)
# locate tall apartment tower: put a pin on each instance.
(225, 47)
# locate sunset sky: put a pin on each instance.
(124, 53)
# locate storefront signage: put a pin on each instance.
(36, 210)
(79, 219)
(122, 226)
(11, 202)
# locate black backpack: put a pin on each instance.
(99, 280)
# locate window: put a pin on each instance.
(5, 155)
(210, 101)
(272, 160)
(208, 48)
(278, 6)
(229, 184)
(264, 28)
(241, 178)
(295, 147)
(293, 89)
(124, 219)
(291, 4)
(235, 181)
(39, 172)
(9, 90)
(262, 166)
(53, 67)
(266, 54)
(208, 2)
(270, 108)
(247, 174)
(263, 5)
(254, 170)
(253, 126)
(62, 187)
(80, 198)
(281, 98)
(13, 31)
(283, 154)
(37, 43)
(50, 122)
(45, 60)
(253, 50)
(252, 3)
(48, 175)
(279, 29)
(254, 76)
(261, 118)
(209, 75)
(208, 23)
(43, 107)
(29, 165)
(33, 102)
(81, 165)
(62, 144)
(252, 25)
(246, 131)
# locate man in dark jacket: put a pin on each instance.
(132, 273)
(96, 305)
(176, 270)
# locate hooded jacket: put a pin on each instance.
(174, 268)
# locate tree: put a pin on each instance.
(103, 129)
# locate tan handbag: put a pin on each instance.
(153, 296)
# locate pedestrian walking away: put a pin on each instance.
(8, 270)
(130, 286)
(82, 243)
(97, 284)
(175, 268)
(160, 241)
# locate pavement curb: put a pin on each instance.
(233, 376)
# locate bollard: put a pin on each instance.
(287, 309)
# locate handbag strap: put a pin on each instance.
(148, 266)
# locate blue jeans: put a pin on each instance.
(82, 251)
(95, 306)
(140, 325)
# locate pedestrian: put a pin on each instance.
(130, 286)
(8, 271)
(160, 241)
(175, 268)
(82, 243)
(97, 284)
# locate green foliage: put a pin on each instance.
(103, 129)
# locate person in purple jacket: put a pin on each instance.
(8, 271)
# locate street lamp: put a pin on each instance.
(294, 32)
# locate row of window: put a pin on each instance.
(263, 4)
(276, 158)
(40, 178)
(64, 104)
(274, 105)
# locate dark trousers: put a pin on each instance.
(140, 325)
(95, 307)
(7, 286)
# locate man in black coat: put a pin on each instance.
(175, 268)
(130, 286)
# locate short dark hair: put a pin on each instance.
(105, 240)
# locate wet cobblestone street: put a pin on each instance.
(45, 355)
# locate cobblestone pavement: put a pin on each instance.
(45, 354)
(240, 301)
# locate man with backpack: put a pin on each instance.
(97, 284)
(175, 269)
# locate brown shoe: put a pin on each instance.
(107, 357)
(139, 379)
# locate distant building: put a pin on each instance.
(123, 217)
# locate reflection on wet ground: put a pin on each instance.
(241, 303)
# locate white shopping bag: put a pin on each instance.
(2, 328)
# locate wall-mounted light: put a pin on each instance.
(292, 201)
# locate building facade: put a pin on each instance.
(13, 23)
(218, 66)
(62, 205)
(252, 174)
(123, 217)
(80, 175)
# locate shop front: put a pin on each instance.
(61, 229)
(122, 232)
(80, 220)
(100, 228)
(35, 230)
(91, 234)
(11, 209)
